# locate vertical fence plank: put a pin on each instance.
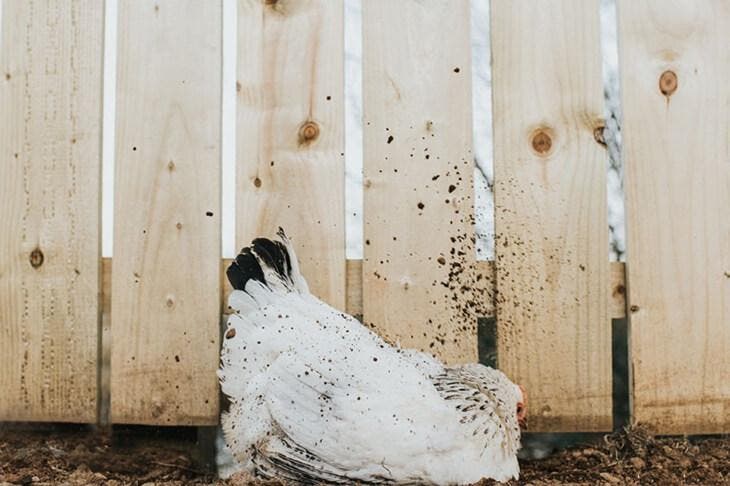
(550, 199)
(675, 66)
(290, 133)
(50, 147)
(165, 279)
(418, 267)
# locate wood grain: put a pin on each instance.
(354, 294)
(418, 272)
(616, 301)
(290, 133)
(675, 65)
(50, 171)
(166, 281)
(550, 211)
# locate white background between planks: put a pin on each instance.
(482, 105)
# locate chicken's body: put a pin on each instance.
(317, 397)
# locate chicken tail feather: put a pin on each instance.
(269, 262)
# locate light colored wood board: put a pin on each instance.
(418, 273)
(290, 133)
(550, 211)
(677, 158)
(166, 280)
(616, 302)
(50, 147)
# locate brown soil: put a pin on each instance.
(76, 456)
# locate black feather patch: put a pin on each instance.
(244, 268)
(274, 255)
(270, 254)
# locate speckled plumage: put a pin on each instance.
(317, 397)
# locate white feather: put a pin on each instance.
(316, 397)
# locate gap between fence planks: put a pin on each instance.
(616, 294)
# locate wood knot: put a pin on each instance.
(36, 258)
(308, 132)
(668, 83)
(598, 135)
(270, 2)
(170, 302)
(257, 182)
(171, 166)
(230, 333)
(634, 308)
(542, 142)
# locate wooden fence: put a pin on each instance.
(551, 287)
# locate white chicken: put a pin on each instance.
(317, 397)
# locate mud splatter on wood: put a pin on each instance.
(419, 289)
(551, 248)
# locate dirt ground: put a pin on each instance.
(76, 456)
